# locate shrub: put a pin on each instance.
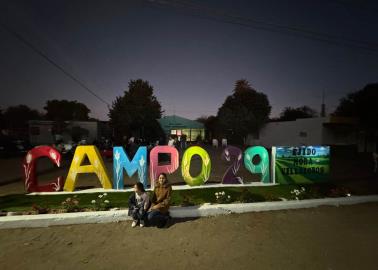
(298, 194)
(71, 204)
(222, 197)
(187, 200)
(40, 209)
(101, 203)
(245, 196)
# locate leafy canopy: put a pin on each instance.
(65, 110)
(290, 113)
(136, 112)
(243, 112)
(362, 104)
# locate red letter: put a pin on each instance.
(30, 165)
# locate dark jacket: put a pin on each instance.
(133, 204)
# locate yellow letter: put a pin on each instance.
(96, 166)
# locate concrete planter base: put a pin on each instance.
(45, 220)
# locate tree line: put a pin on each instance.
(245, 111)
(16, 118)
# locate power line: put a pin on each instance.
(224, 17)
(51, 61)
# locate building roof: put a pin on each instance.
(176, 122)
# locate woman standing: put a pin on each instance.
(158, 214)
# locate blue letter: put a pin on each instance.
(121, 161)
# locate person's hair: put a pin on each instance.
(140, 186)
(165, 176)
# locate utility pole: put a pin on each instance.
(323, 112)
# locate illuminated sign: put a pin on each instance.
(289, 165)
(305, 164)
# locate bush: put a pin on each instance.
(187, 200)
(101, 203)
(298, 194)
(40, 209)
(71, 204)
(245, 196)
(222, 197)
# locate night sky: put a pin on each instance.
(192, 59)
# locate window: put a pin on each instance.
(195, 133)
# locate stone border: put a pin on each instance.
(28, 221)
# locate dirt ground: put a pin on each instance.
(320, 238)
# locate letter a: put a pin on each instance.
(96, 166)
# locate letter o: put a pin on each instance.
(205, 170)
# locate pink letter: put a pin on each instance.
(156, 169)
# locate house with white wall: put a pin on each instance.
(330, 130)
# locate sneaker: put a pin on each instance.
(133, 225)
(141, 224)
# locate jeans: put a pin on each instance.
(157, 218)
(138, 214)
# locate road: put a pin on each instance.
(320, 238)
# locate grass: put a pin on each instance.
(24, 203)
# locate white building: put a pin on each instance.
(329, 130)
(42, 132)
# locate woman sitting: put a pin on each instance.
(139, 203)
(158, 214)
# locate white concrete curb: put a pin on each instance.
(46, 220)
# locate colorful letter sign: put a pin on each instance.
(121, 161)
(305, 164)
(230, 175)
(155, 168)
(30, 166)
(96, 166)
(185, 166)
(262, 167)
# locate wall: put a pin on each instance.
(339, 135)
(290, 133)
(40, 132)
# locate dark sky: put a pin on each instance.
(192, 60)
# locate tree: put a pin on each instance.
(291, 114)
(16, 120)
(211, 126)
(361, 104)
(244, 112)
(136, 113)
(65, 110)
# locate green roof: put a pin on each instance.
(176, 122)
